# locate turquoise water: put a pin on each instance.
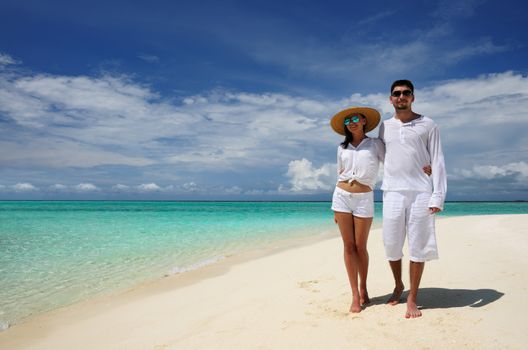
(56, 253)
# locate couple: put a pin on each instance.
(407, 144)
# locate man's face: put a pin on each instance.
(402, 97)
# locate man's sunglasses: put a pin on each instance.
(352, 119)
(399, 93)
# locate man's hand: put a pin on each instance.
(434, 210)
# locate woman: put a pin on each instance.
(358, 161)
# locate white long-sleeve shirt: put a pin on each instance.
(409, 147)
(360, 163)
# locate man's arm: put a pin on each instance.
(439, 177)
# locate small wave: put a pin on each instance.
(4, 325)
(176, 270)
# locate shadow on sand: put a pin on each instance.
(443, 298)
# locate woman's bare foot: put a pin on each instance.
(364, 297)
(355, 307)
(396, 294)
(412, 310)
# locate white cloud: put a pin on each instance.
(120, 188)
(447, 9)
(482, 120)
(518, 170)
(233, 190)
(24, 187)
(81, 120)
(57, 122)
(190, 187)
(256, 192)
(430, 48)
(304, 177)
(5, 60)
(73, 101)
(85, 122)
(374, 19)
(62, 152)
(149, 58)
(151, 187)
(482, 47)
(57, 188)
(86, 187)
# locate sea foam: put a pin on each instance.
(177, 270)
(4, 325)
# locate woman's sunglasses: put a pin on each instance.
(399, 93)
(352, 119)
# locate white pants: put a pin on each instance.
(407, 212)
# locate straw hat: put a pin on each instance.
(338, 121)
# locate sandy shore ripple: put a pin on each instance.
(474, 297)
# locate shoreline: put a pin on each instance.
(203, 307)
(126, 251)
(189, 274)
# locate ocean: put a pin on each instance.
(55, 253)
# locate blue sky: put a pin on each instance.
(231, 100)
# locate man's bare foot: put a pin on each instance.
(396, 294)
(355, 307)
(364, 298)
(412, 310)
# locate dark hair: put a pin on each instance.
(348, 135)
(403, 82)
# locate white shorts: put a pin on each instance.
(407, 212)
(359, 204)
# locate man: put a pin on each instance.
(410, 197)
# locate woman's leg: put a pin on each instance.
(361, 233)
(345, 221)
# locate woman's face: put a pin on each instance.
(355, 123)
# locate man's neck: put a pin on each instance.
(406, 116)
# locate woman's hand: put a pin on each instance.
(428, 170)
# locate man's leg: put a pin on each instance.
(396, 268)
(422, 247)
(415, 272)
(394, 218)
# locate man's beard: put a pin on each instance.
(402, 107)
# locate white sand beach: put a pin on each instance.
(474, 297)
